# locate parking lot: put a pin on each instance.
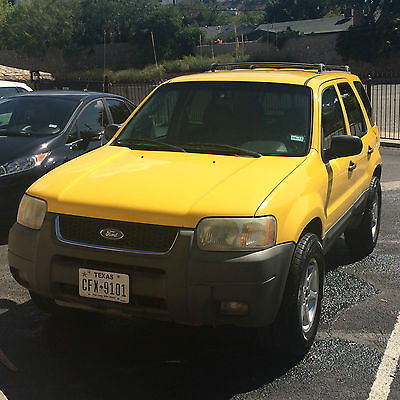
(106, 358)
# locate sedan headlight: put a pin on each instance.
(22, 164)
(236, 234)
(31, 212)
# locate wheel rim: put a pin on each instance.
(374, 216)
(309, 295)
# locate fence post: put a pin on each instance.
(369, 87)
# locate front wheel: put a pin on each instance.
(362, 239)
(297, 322)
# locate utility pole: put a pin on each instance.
(154, 48)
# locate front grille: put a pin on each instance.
(136, 237)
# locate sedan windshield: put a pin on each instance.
(233, 118)
(36, 115)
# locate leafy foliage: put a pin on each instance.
(36, 25)
(379, 28)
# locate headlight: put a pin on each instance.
(31, 212)
(235, 234)
(22, 164)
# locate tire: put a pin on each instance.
(298, 319)
(362, 240)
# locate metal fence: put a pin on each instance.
(384, 93)
(385, 99)
(135, 92)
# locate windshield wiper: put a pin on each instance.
(148, 143)
(222, 149)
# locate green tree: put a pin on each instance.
(36, 25)
(377, 32)
(287, 10)
(201, 13)
(5, 11)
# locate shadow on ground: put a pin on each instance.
(4, 229)
(105, 358)
(95, 357)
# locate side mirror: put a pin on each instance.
(344, 146)
(110, 131)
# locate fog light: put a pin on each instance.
(234, 308)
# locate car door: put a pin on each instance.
(87, 130)
(333, 124)
(356, 126)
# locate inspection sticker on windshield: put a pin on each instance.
(297, 138)
(52, 126)
(104, 285)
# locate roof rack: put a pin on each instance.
(280, 65)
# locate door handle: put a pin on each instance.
(352, 166)
(370, 150)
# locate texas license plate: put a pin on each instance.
(104, 285)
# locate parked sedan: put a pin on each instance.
(9, 88)
(41, 130)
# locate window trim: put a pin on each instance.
(331, 83)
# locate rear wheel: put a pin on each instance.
(362, 239)
(297, 322)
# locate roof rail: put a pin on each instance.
(279, 65)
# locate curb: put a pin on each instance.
(390, 143)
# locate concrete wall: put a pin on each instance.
(118, 55)
(308, 49)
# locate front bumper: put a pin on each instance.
(184, 285)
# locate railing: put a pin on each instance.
(135, 92)
(384, 93)
(385, 98)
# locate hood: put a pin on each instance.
(164, 188)
(14, 147)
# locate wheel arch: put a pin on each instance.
(378, 171)
(314, 226)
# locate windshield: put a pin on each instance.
(234, 118)
(36, 115)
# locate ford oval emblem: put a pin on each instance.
(111, 234)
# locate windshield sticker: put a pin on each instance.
(52, 126)
(297, 138)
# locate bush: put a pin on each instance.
(188, 64)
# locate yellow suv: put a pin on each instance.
(214, 203)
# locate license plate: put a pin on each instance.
(104, 285)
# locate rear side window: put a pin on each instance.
(357, 123)
(364, 98)
(332, 117)
(119, 110)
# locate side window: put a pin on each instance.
(92, 119)
(357, 123)
(332, 120)
(119, 110)
(364, 98)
